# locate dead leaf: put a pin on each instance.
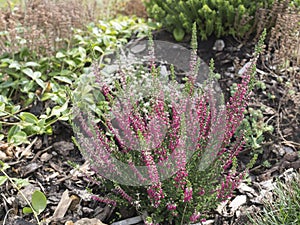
(62, 206)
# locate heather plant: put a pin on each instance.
(159, 145)
(218, 17)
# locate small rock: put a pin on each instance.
(207, 222)
(244, 68)
(219, 45)
(21, 221)
(287, 149)
(87, 221)
(244, 188)
(63, 147)
(267, 185)
(227, 74)
(138, 48)
(231, 69)
(295, 165)
(46, 157)
(3, 156)
(164, 71)
(237, 202)
(291, 156)
(129, 221)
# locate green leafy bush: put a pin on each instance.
(27, 77)
(219, 17)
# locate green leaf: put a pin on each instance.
(28, 72)
(19, 138)
(12, 131)
(15, 65)
(2, 179)
(40, 82)
(27, 210)
(36, 75)
(29, 117)
(20, 182)
(2, 109)
(63, 79)
(15, 109)
(60, 55)
(70, 62)
(57, 110)
(98, 49)
(178, 34)
(31, 64)
(39, 201)
(82, 52)
(28, 86)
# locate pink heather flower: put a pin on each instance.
(106, 92)
(171, 206)
(155, 193)
(151, 166)
(202, 192)
(105, 200)
(180, 178)
(188, 194)
(120, 191)
(195, 217)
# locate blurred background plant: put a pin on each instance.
(45, 26)
(212, 17)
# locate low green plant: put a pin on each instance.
(218, 17)
(38, 201)
(26, 77)
(255, 128)
(285, 206)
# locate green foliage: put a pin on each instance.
(38, 202)
(26, 77)
(285, 208)
(219, 17)
(38, 199)
(254, 128)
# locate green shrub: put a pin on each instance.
(219, 17)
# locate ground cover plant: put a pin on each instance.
(30, 78)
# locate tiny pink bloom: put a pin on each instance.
(201, 192)
(195, 217)
(171, 207)
(188, 194)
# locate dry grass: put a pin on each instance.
(283, 23)
(136, 7)
(284, 43)
(42, 25)
(45, 25)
